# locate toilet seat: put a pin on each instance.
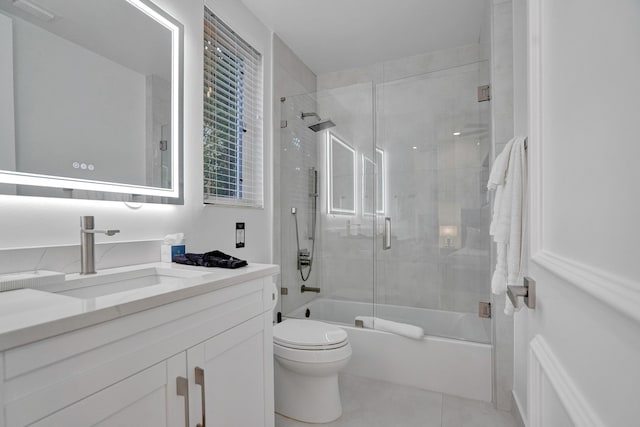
(316, 356)
(308, 335)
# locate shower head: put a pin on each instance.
(321, 125)
(325, 124)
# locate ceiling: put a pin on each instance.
(332, 35)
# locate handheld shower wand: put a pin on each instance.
(304, 256)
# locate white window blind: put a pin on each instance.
(232, 117)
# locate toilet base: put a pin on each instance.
(307, 398)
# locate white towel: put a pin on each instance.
(509, 178)
(397, 328)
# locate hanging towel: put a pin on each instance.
(509, 180)
(409, 331)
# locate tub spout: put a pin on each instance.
(304, 289)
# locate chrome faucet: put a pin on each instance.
(87, 244)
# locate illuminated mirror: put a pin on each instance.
(373, 181)
(368, 180)
(381, 190)
(342, 176)
(90, 100)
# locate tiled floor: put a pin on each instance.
(372, 403)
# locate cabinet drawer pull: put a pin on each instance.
(200, 381)
(182, 389)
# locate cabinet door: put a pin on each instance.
(148, 398)
(227, 377)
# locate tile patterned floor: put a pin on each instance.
(373, 403)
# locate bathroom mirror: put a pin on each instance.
(368, 180)
(342, 176)
(90, 100)
(373, 172)
(381, 188)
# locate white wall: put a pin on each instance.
(69, 107)
(584, 212)
(33, 221)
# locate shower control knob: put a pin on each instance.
(304, 258)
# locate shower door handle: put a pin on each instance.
(386, 235)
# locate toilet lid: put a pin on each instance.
(304, 333)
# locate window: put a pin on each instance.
(232, 136)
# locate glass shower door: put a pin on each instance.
(326, 151)
(434, 140)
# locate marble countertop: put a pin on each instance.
(29, 315)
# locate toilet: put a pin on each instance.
(307, 358)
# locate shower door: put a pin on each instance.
(326, 176)
(433, 138)
(408, 158)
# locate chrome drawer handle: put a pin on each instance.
(182, 389)
(200, 381)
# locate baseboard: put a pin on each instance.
(516, 410)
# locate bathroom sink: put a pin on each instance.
(124, 279)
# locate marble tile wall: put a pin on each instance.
(406, 67)
(66, 258)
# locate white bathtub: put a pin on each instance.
(460, 367)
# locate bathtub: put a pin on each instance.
(459, 366)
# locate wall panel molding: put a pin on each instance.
(620, 293)
(545, 369)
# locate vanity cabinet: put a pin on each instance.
(209, 355)
(147, 398)
(227, 380)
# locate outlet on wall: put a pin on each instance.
(240, 231)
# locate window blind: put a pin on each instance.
(232, 117)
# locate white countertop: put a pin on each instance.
(28, 315)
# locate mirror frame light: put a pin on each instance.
(366, 160)
(331, 138)
(379, 175)
(382, 170)
(177, 59)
